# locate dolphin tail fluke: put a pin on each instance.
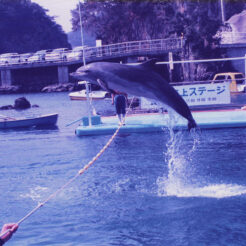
(192, 124)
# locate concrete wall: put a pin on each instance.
(236, 50)
(34, 79)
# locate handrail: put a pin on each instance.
(106, 51)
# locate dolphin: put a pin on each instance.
(139, 80)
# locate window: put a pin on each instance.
(239, 79)
(220, 77)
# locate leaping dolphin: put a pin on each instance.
(139, 80)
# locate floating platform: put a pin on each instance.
(155, 122)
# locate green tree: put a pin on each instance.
(25, 27)
(119, 21)
(233, 7)
(197, 21)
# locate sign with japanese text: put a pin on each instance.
(197, 94)
(205, 94)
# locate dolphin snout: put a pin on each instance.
(73, 74)
(77, 74)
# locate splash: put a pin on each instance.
(120, 184)
(210, 191)
(213, 191)
(36, 193)
(181, 180)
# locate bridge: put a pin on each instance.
(57, 70)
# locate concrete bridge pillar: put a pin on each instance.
(63, 75)
(6, 79)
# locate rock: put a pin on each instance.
(22, 103)
(59, 87)
(6, 107)
(9, 89)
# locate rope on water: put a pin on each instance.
(80, 172)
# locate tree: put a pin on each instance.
(116, 21)
(25, 27)
(233, 7)
(119, 21)
(196, 20)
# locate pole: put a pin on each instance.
(245, 67)
(81, 33)
(222, 11)
(84, 63)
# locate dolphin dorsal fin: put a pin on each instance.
(149, 64)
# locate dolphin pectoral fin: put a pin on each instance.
(104, 86)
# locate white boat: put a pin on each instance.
(94, 95)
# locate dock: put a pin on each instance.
(156, 122)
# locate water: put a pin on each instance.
(146, 189)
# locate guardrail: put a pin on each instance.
(134, 48)
(140, 48)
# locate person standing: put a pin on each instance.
(120, 101)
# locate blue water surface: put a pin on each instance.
(147, 189)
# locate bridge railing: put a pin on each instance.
(133, 48)
(141, 48)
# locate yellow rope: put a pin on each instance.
(81, 171)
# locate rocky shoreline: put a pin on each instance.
(13, 89)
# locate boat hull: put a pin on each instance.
(94, 95)
(80, 98)
(44, 120)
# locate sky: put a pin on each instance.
(61, 9)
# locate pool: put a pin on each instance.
(164, 188)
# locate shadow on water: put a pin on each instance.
(32, 128)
